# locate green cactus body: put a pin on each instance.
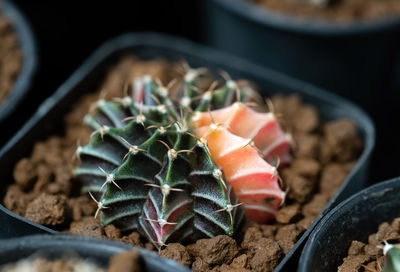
(147, 170)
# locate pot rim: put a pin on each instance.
(27, 43)
(289, 23)
(87, 244)
(344, 207)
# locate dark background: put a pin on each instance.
(68, 31)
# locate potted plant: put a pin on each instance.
(79, 252)
(353, 234)
(18, 58)
(52, 198)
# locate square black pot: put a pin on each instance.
(48, 120)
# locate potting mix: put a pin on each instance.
(10, 57)
(335, 10)
(370, 256)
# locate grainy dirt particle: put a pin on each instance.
(177, 252)
(386, 232)
(82, 206)
(266, 254)
(289, 214)
(268, 230)
(240, 262)
(316, 205)
(371, 250)
(396, 225)
(301, 189)
(200, 266)
(305, 222)
(149, 246)
(331, 178)
(125, 262)
(306, 146)
(112, 232)
(217, 250)
(133, 238)
(286, 245)
(356, 248)
(353, 263)
(308, 168)
(89, 226)
(15, 200)
(24, 174)
(48, 210)
(341, 142)
(289, 232)
(252, 234)
(306, 119)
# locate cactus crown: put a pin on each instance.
(150, 169)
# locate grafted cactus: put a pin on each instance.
(171, 167)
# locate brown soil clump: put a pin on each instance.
(311, 181)
(48, 210)
(338, 11)
(178, 253)
(360, 255)
(10, 57)
(88, 226)
(125, 262)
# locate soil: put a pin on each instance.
(10, 57)
(128, 261)
(339, 10)
(368, 256)
(324, 154)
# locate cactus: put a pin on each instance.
(173, 167)
(392, 260)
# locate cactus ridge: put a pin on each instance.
(151, 171)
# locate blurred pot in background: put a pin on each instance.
(352, 56)
(17, 58)
(349, 52)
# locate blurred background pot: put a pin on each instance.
(97, 251)
(27, 44)
(355, 59)
(358, 60)
(354, 219)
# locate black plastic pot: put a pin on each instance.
(97, 251)
(49, 117)
(356, 60)
(354, 219)
(28, 45)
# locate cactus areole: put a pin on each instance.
(183, 165)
